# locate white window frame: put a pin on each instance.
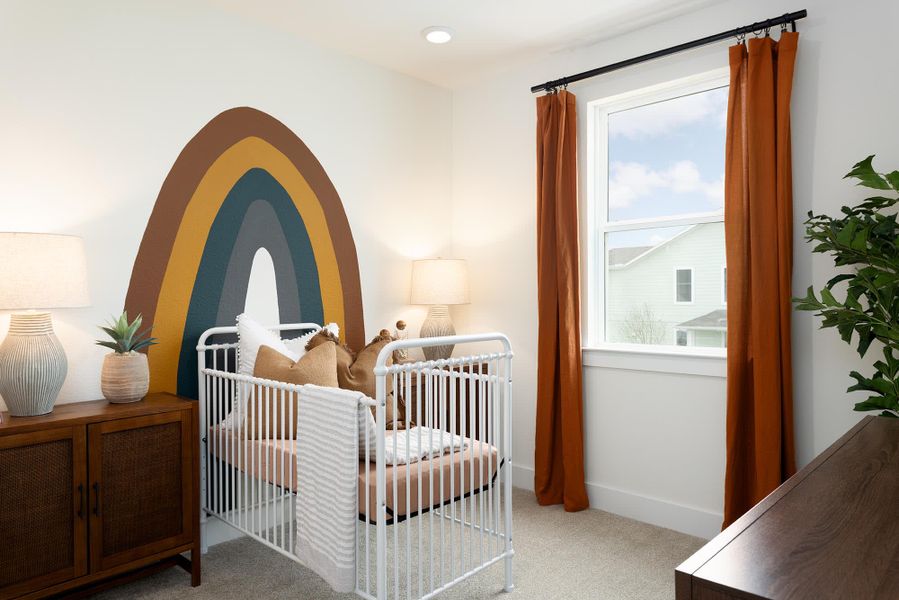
(723, 285)
(595, 225)
(692, 295)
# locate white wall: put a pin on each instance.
(98, 98)
(655, 441)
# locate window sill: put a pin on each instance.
(706, 362)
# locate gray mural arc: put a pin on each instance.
(259, 229)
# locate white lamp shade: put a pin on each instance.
(42, 270)
(439, 281)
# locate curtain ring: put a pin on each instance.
(741, 37)
(767, 32)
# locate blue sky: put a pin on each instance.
(666, 159)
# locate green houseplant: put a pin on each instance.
(125, 376)
(864, 238)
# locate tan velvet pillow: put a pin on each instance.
(357, 372)
(318, 367)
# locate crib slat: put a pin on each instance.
(432, 423)
(367, 507)
(418, 412)
(407, 385)
(396, 542)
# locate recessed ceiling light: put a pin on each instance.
(437, 35)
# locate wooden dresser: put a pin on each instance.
(830, 531)
(95, 493)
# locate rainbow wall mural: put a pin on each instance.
(244, 182)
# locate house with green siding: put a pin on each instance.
(669, 293)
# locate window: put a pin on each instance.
(683, 287)
(654, 216)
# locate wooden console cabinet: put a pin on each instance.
(830, 531)
(95, 493)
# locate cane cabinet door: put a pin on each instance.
(43, 510)
(140, 487)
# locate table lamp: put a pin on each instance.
(439, 282)
(37, 270)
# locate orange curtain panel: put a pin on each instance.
(758, 220)
(559, 453)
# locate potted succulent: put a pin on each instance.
(864, 239)
(125, 376)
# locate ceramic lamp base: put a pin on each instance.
(438, 323)
(32, 365)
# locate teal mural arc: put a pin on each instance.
(223, 277)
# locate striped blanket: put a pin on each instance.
(327, 475)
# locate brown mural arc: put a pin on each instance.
(201, 151)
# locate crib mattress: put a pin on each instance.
(440, 479)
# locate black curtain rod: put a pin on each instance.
(758, 27)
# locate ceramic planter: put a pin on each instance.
(125, 377)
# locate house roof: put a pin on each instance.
(717, 319)
(632, 254)
(622, 256)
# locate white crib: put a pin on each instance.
(424, 526)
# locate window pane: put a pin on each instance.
(667, 158)
(684, 285)
(646, 277)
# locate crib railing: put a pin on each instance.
(424, 525)
(243, 483)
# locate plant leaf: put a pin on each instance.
(893, 179)
(828, 299)
(126, 336)
(864, 172)
(841, 277)
(143, 344)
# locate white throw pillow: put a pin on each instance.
(298, 345)
(251, 335)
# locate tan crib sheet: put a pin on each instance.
(274, 460)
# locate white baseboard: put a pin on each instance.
(217, 531)
(662, 513)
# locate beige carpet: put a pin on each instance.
(591, 554)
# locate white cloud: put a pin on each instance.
(632, 180)
(663, 117)
(629, 181)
